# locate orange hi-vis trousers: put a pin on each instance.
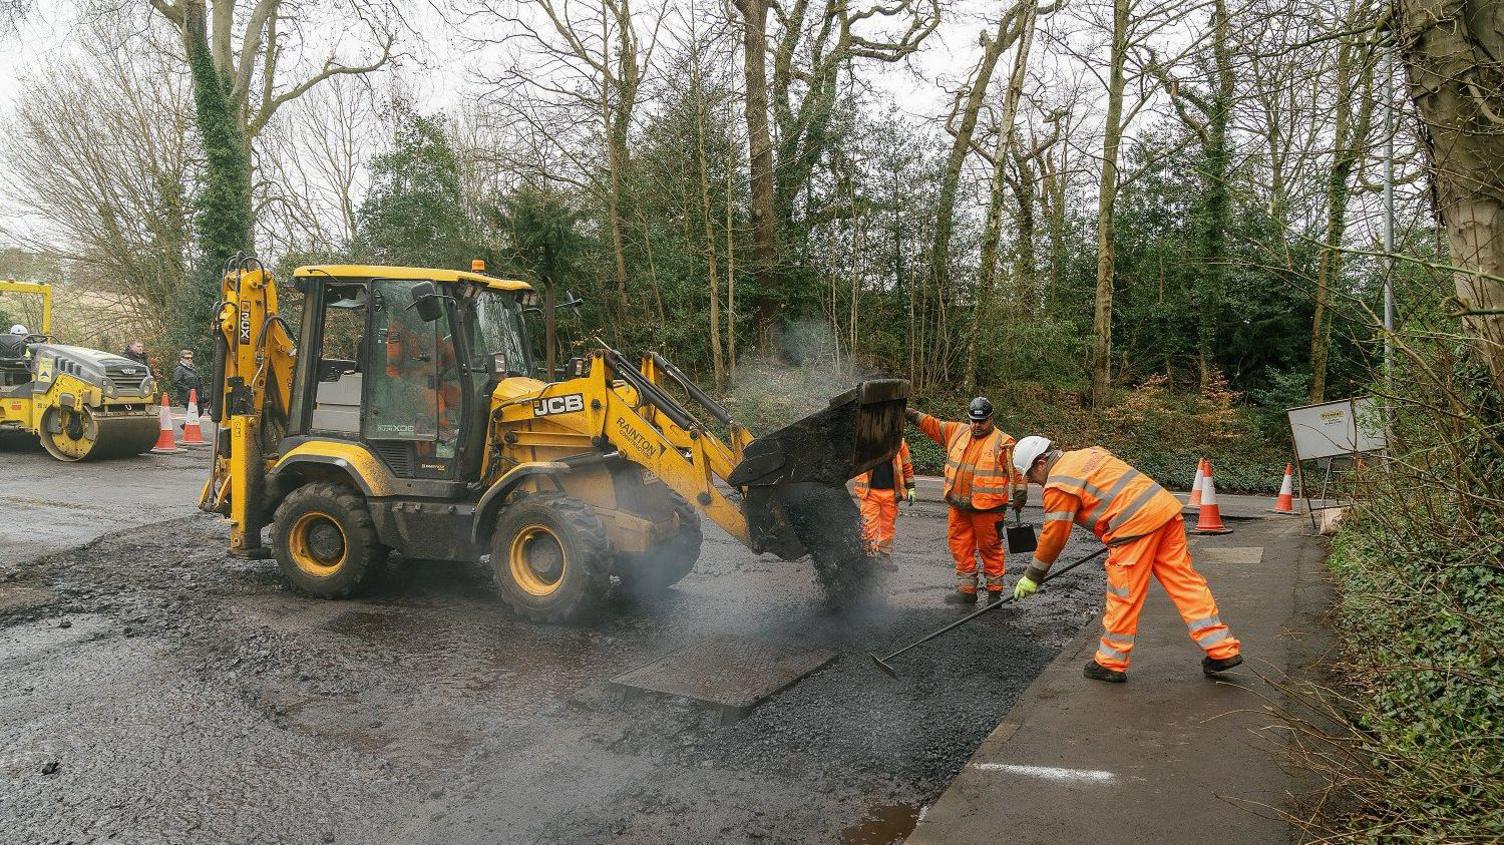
(879, 520)
(973, 533)
(1163, 554)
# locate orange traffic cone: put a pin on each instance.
(1210, 519)
(192, 435)
(166, 444)
(1285, 501)
(1198, 484)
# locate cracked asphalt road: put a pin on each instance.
(154, 690)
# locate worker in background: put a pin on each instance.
(136, 351)
(185, 378)
(1145, 535)
(980, 484)
(877, 493)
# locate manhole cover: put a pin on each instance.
(729, 674)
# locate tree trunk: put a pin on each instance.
(717, 361)
(1218, 159)
(1451, 53)
(992, 236)
(992, 50)
(1101, 362)
(1354, 90)
(767, 296)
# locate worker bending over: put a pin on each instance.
(1145, 534)
(980, 483)
(877, 493)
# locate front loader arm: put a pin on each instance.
(691, 476)
(253, 365)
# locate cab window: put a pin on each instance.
(414, 392)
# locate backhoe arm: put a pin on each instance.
(253, 363)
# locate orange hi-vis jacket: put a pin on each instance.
(979, 474)
(903, 474)
(1097, 490)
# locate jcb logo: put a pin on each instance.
(550, 405)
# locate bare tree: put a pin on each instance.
(1001, 158)
(100, 148)
(812, 43)
(578, 68)
(312, 168)
(1015, 26)
(1351, 124)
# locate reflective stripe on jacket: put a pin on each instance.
(983, 480)
(1095, 489)
(903, 473)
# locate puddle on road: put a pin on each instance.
(885, 824)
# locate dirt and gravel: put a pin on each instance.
(154, 690)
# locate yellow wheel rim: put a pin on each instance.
(537, 560)
(71, 442)
(318, 544)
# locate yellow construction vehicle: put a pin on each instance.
(406, 413)
(81, 403)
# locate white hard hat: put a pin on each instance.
(18, 329)
(1028, 450)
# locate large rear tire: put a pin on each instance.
(651, 572)
(325, 541)
(550, 558)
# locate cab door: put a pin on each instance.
(414, 407)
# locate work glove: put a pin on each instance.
(1024, 588)
(910, 496)
(1019, 498)
(912, 414)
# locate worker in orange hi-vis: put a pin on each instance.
(1141, 524)
(877, 494)
(980, 484)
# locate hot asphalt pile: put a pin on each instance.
(192, 697)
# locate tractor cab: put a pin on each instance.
(403, 361)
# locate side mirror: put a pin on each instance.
(426, 300)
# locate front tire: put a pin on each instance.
(325, 540)
(550, 558)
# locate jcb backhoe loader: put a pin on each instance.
(81, 403)
(408, 415)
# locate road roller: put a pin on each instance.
(81, 403)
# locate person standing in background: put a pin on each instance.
(877, 493)
(185, 378)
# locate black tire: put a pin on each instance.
(651, 572)
(826, 520)
(325, 541)
(550, 558)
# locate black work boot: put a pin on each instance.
(1210, 667)
(994, 596)
(885, 562)
(1098, 672)
(959, 597)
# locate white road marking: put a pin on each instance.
(1049, 772)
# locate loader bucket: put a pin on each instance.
(861, 429)
(781, 471)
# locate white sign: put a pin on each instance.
(1337, 428)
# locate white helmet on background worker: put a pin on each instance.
(1028, 450)
(19, 329)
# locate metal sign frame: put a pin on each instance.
(1316, 428)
